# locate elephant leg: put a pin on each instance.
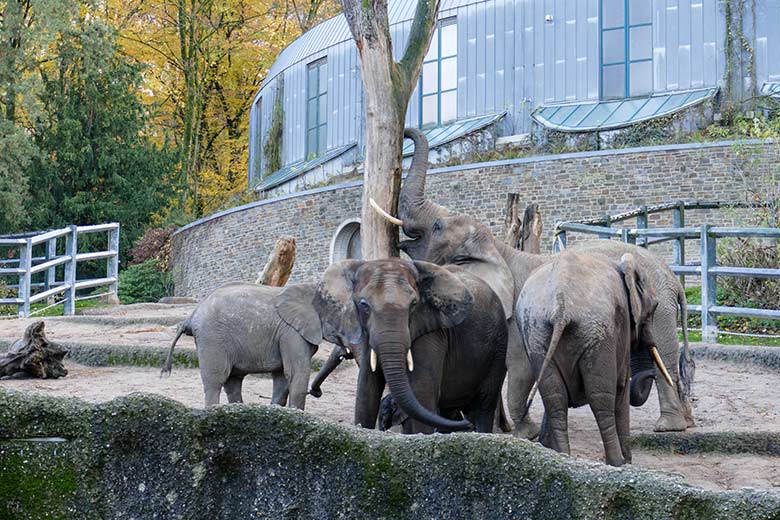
(296, 359)
(233, 389)
(520, 379)
(673, 412)
(214, 369)
(600, 389)
(622, 421)
(281, 389)
(556, 411)
(369, 394)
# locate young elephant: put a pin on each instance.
(243, 328)
(580, 317)
(436, 335)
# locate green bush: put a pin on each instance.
(5, 292)
(144, 282)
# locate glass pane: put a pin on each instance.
(429, 110)
(641, 81)
(625, 112)
(311, 113)
(449, 106)
(640, 11)
(641, 43)
(613, 45)
(651, 107)
(578, 114)
(323, 77)
(613, 81)
(322, 139)
(323, 115)
(561, 114)
(675, 102)
(449, 39)
(613, 13)
(449, 73)
(599, 115)
(311, 143)
(430, 81)
(311, 89)
(433, 50)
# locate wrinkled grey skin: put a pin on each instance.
(443, 237)
(243, 328)
(586, 314)
(449, 320)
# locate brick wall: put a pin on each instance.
(234, 245)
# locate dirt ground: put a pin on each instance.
(727, 397)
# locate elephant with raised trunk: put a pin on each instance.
(581, 317)
(436, 336)
(443, 237)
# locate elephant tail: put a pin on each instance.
(686, 364)
(559, 325)
(183, 328)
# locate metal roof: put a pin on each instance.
(299, 168)
(771, 89)
(442, 135)
(335, 30)
(608, 114)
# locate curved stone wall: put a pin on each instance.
(234, 245)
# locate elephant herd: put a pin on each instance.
(596, 325)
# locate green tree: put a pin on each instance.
(16, 154)
(97, 164)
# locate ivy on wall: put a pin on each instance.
(273, 144)
(740, 56)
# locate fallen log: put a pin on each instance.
(33, 356)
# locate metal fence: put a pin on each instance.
(23, 265)
(709, 268)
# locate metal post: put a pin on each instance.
(48, 281)
(71, 247)
(25, 262)
(709, 320)
(560, 241)
(641, 223)
(113, 263)
(626, 237)
(678, 221)
(607, 223)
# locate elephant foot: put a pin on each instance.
(527, 429)
(671, 423)
(689, 414)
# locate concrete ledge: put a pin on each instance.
(146, 457)
(729, 443)
(767, 357)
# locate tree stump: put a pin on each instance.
(531, 238)
(33, 356)
(513, 224)
(280, 263)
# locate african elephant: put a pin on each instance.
(440, 236)
(580, 317)
(243, 328)
(436, 336)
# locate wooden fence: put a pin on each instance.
(709, 268)
(22, 264)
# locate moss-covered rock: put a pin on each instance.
(148, 457)
(729, 443)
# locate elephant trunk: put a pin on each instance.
(642, 376)
(393, 359)
(336, 357)
(413, 191)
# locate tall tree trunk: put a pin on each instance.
(280, 263)
(531, 239)
(513, 224)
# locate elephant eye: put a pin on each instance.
(414, 301)
(364, 306)
(436, 226)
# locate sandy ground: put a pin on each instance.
(726, 397)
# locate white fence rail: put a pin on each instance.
(22, 265)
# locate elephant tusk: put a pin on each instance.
(387, 216)
(346, 349)
(661, 366)
(409, 360)
(373, 360)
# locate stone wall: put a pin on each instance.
(234, 245)
(147, 457)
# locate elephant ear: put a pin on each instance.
(295, 306)
(631, 281)
(487, 264)
(445, 301)
(334, 303)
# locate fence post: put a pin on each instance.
(25, 262)
(71, 248)
(559, 243)
(607, 223)
(678, 221)
(709, 320)
(641, 223)
(48, 281)
(113, 263)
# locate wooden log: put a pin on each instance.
(513, 225)
(531, 236)
(280, 263)
(33, 356)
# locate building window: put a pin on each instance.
(257, 145)
(439, 78)
(316, 108)
(626, 48)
